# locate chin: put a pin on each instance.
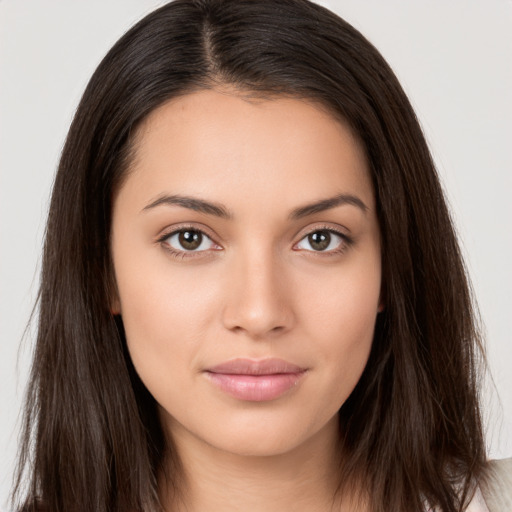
(268, 434)
(257, 445)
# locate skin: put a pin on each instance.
(258, 289)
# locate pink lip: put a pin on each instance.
(255, 381)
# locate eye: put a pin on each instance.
(189, 240)
(322, 240)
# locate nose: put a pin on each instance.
(258, 300)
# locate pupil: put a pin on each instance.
(319, 240)
(190, 240)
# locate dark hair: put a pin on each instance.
(411, 429)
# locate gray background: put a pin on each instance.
(453, 58)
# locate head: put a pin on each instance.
(400, 424)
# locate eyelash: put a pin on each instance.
(181, 255)
(345, 244)
(346, 241)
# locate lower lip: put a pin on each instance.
(255, 388)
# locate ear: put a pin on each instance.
(382, 299)
(114, 301)
(115, 307)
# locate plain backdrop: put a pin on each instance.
(452, 57)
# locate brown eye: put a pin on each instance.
(188, 240)
(319, 240)
(323, 240)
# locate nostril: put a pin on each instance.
(257, 302)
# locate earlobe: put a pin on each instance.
(382, 299)
(115, 303)
(115, 306)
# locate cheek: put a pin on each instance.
(164, 314)
(343, 303)
(341, 319)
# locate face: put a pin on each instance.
(247, 258)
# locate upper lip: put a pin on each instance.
(243, 366)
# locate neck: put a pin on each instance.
(303, 479)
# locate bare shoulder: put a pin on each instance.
(32, 507)
(496, 485)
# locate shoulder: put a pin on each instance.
(28, 507)
(496, 486)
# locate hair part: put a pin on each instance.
(411, 430)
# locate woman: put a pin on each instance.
(246, 301)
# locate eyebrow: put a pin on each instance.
(218, 210)
(192, 203)
(327, 204)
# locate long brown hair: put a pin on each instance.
(411, 430)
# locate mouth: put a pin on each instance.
(256, 381)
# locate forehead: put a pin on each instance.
(216, 142)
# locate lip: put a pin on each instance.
(255, 381)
